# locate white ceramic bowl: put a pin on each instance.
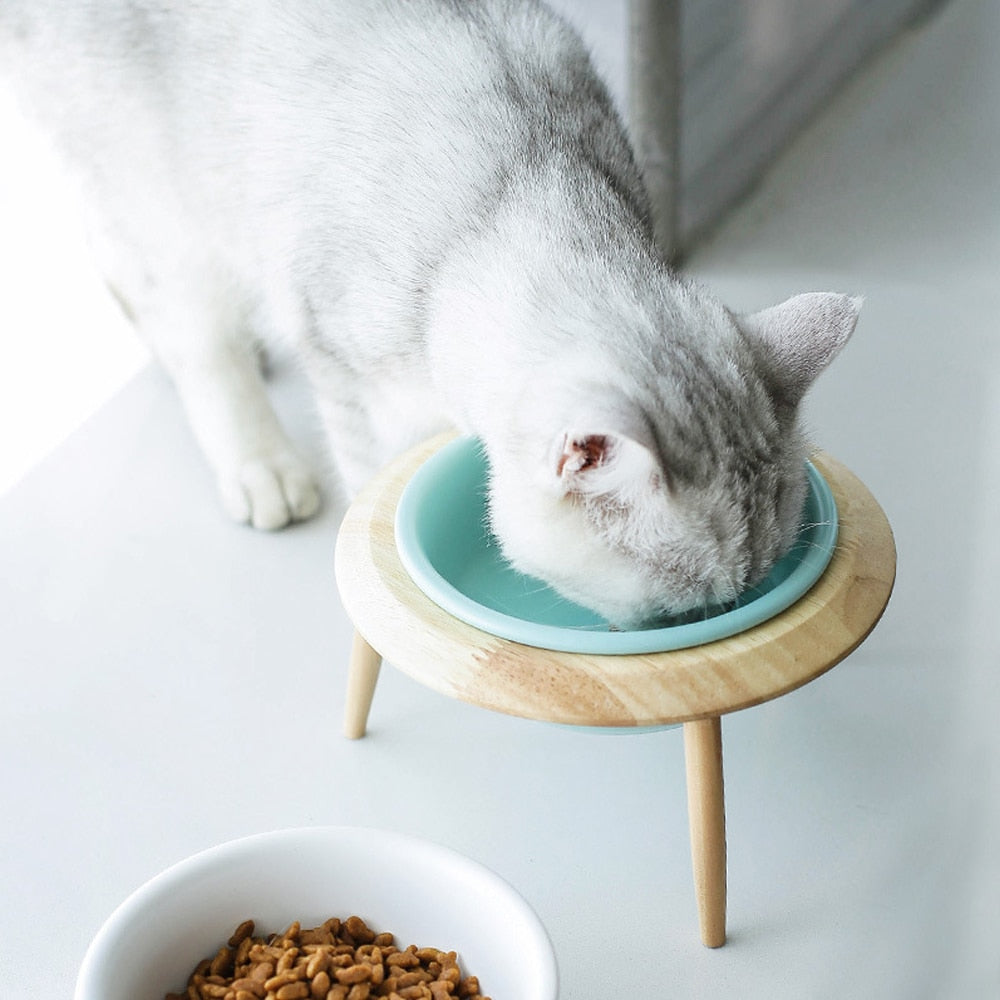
(422, 893)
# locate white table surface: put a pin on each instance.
(171, 681)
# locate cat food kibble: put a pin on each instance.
(339, 960)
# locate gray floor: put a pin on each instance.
(171, 681)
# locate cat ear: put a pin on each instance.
(601, 464)
(796, 340)
(581, 452)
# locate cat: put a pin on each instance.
(436, 202)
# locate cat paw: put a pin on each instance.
(270, 493)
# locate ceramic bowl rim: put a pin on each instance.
(416, 494)
(102, 948)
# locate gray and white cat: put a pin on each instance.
(434, 200)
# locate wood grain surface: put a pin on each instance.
(417, 637)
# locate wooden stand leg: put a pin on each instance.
(361, 680)
(707, 817)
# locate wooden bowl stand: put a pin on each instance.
(393, 619)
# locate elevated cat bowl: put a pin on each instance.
(693, 685)
(444, 543)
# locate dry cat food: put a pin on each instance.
(339, 960)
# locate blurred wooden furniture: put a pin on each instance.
(692, 687)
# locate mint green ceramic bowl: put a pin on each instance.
(445, 544)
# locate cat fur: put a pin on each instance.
(435, 202)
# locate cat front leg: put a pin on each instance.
(355, 451)
(370, 417)
(260, 477)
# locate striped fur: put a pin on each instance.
(434, 201)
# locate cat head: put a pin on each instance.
(677, 488)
